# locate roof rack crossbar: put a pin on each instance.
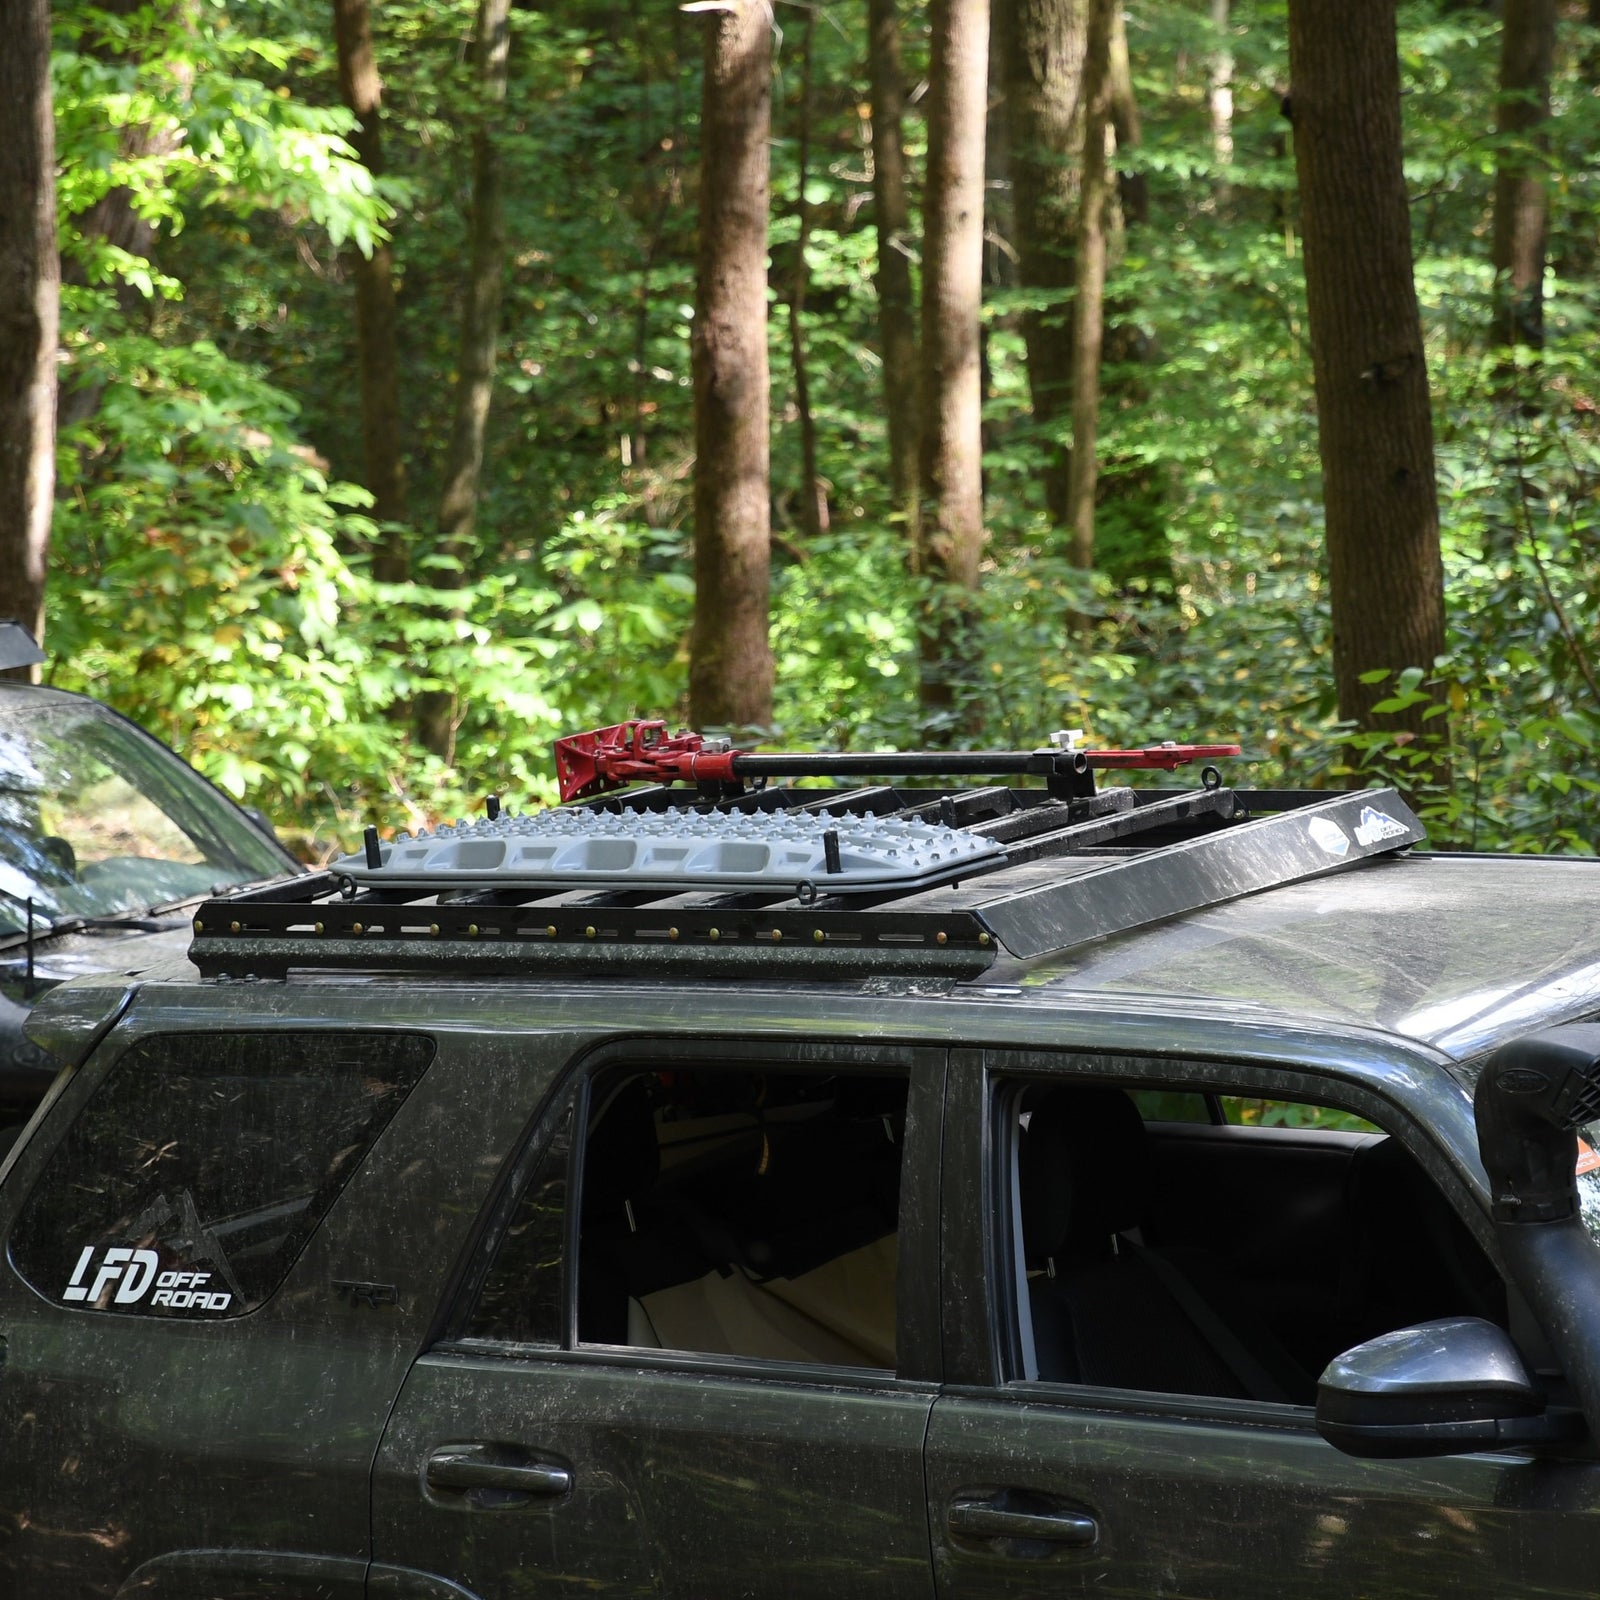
(1219, 803)
(878, 800)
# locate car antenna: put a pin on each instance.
(27, 983)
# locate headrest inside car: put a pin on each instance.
(1081, 1170)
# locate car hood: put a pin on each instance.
(26, 1069)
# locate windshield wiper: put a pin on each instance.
(46, 927)
(217, 891)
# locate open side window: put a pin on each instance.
(1230, 1260)
(745, 1211)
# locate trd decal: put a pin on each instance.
(134, 1273)
(366, 1294)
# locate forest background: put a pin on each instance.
(224, 569)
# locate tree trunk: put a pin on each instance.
(813, 496)
(1088, 321)
(952, 288)
(480, 321)
(896, 308)
(1132, 188)
(1375, 428)
(30, 284)
(377, 323)
(730, 662)
(1221, 98)
(1521, 206)
(1041, 45)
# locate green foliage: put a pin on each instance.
(213, 564)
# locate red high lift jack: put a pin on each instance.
(604, 759)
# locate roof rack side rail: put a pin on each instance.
(1228, 864)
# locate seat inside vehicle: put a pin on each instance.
(1225, 1260)
(743, 1214)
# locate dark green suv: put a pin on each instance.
(819, 1193)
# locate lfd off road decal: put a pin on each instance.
(117, 1277)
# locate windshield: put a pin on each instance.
(98, 821)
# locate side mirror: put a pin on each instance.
(1437, 1389)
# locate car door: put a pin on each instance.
(1051, 1487)
(215, 1281)
(599, 1413)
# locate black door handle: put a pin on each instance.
(995, 1519)
(484, 1466)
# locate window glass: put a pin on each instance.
(201, 1165)
(1171, 1105)
(1247, 1111)
(1200, 1261)
(521, 1301)
(742, 1213)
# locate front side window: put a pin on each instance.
(192, 1178)
(720, 1211)
(1231, 1260)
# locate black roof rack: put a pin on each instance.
(1070, 869)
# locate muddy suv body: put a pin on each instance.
(498, 1243)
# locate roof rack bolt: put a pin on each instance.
(374, 854)
(1066, 738)
(830, 850)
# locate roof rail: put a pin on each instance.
(1032, 875)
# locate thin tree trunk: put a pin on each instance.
(377, 321)
(1132, 188)
(1221, 98)
(1041, 45)
(730, 662)
(813, 496)
(1375, 428)
(1088, 325)
(897, 324)
(480, 321)
(1521, 204)
(952, 291)
(30, 286)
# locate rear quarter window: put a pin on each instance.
(202, 1163)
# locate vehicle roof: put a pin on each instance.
(1457, 952)
(44, 695)
(1454, 953)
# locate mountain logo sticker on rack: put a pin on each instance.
(1374, 826)
(1329, 836)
